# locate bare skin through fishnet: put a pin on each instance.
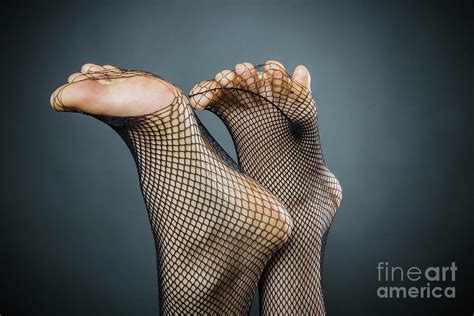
(214, 227)
(273, 121)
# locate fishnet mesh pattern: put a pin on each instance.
(214, 227)
(273, 122)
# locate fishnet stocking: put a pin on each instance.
(273, 122)
(214, 227)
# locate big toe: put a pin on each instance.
(302, 76)
(75, 95)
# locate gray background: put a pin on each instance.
(394, 88)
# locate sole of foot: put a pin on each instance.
(111, 91)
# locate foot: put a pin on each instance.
(269, 82)
(108, 90)
(273, 120)
(215, 228)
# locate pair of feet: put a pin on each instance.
(111, 91)
(272, 118)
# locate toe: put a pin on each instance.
(106, 74)
(273, 64)
(112, 70)
(89, 67)
(279, 81)
(202, 95)
(245, 70)
(73, 76)
(110, 67)
(96, 69)
(248, 76)
(263, 83)
(55, 99)
(80, 77)
(76, 95)
(279, 78)
(302, 76)
(225, 78)
(96, 72)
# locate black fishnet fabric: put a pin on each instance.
(273, 122)
(214, 227)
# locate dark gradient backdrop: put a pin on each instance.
(394, 86)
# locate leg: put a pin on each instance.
(214, 227)
(272, 118)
